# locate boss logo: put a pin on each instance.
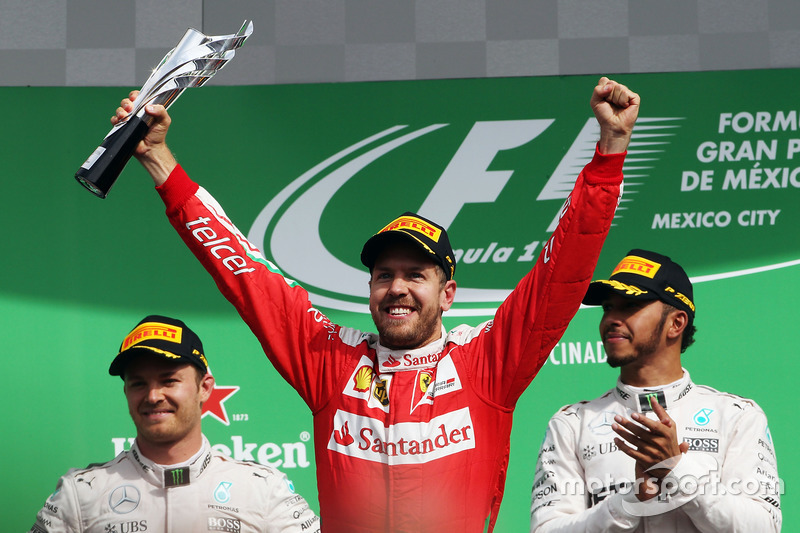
(702, 445)
(230, 525)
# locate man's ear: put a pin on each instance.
(678, 320)
(206, 386)
(448, 295)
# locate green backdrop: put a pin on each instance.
(712, 180)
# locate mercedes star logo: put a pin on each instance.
(124, 499)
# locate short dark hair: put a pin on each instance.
(442, 276)
(687, 338)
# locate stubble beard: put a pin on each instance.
(399, 335)
(178, 426)
(638, 352)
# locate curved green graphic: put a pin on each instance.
(312, 171)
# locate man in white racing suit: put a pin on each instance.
(171, 479)
(657, 453)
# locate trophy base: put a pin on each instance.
(104, 166)
(91, 187)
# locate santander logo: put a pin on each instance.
(342, 436)
(405, 442)
(391, 362)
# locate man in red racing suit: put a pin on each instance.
(413, 439)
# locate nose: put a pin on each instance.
(398, 287)
(154, 394)
(610, 318)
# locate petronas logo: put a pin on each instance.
(223, 492)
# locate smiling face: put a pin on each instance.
(165, 402)
(407, 297)
(632, 330)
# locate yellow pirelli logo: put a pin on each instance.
(640, 266)
(682, 297)
(414, 224)
(152, 330)
(630, 290)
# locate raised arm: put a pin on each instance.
(616, 108)
(535, 315)
(153, 152)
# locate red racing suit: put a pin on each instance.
(407, 440)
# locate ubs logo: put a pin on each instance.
(588, 452)
(124, 499)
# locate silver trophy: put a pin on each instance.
(195, 59)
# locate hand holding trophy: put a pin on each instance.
(195, 59)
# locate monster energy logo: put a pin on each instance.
(646, 400)
(176, 477)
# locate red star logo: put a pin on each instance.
(213, 406)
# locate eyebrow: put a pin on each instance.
(166, 373)
(416, 266)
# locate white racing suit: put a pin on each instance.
(210, 492)
(726, 482)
